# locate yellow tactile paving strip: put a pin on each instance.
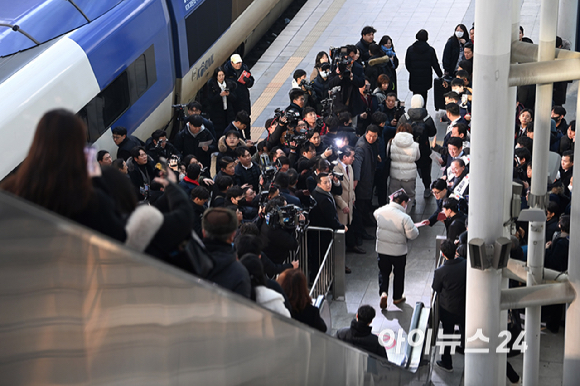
(274, 86)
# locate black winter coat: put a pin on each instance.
(227, 272)
(420, 59)
(364, 166)
(324, 213)
(451, 55)
(242, 90)
(360, 335)
(455, 226)
(449, 282)
(277, 243)
(218, 115)
(310, 316)
(125, 147)
(187, 144)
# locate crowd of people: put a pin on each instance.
(344, 138)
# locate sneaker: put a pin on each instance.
(401, 300)
(427, 193)
(384, 299)
(442, 366)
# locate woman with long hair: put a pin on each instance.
(222, 97)
(293, 282)
(386, 44)
(454, 49)
(321, 57)
(55, 176)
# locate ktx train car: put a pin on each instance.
(115, 62)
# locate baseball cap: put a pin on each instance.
(236, 58)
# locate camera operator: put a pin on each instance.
(297, 102)
(345, 77)
(313, 121)
(305, 163)
(157, 146)
(278, 240)
(321, 83)
(321, 151)
(361, 108)
(299, 81)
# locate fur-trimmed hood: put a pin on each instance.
(222, 147)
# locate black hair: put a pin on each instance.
(308, 146)
(243, 117)
(455, 141)
(248, 243)
(136, 150)
(522, 153)
(241, 150)
(385, 39)
(255, 268)
(559, 110)
(461, 128)
(319, 177)
(345, 152)
(233, 192)
(372, 128)
(193, 171)
(119, 130)
(158, 134)
(199, 192)
(564, 223)
(225, 161)
(295, 93)
(223, 182)
(569, 153)
(368, 30)
(298, 74)
(452, 204)
(448, 249)
(282, 180)
(195, 120)
(366, 314)
(456, 82)
(194, 105)
(400, 197)
(452, 108)
(219, 223)
(379, 117)
(101, 154)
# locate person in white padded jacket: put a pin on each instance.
(394, 228)
(403, 151)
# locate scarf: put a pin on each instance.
(223, 86)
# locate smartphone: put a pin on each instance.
(92, 163)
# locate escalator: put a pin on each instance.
(77, 308)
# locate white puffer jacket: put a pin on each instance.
(394, 228)
(404, 152)
(271, 300)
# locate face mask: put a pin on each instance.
(459, 34)
(324, 74)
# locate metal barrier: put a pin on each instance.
(331, 264)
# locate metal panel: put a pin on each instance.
(79, 309)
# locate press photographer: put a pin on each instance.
(299, 81)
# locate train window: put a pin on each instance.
(104, 109)
(205, 25)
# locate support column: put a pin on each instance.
(488, 162)
(571, 370)
(536, 232)
(567, 21)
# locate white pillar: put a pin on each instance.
(488, 163)
(536, 232)
(571, 371)
(567, 21)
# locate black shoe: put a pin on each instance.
(459, 350)
(366, 236)
(347, 270)
(357, 250)
(442, 366)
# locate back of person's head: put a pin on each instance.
(462, 73)
(400, 197)
(452, 204)
(405, 128)
(193, 171)
(219, 223)
(439, 184)
(375, 49)
(54, 174)
(448, 249)
(466, 65)
(332, 123)
(322, 165)
(564, 223)
(365, 314)
(344, 118)
(292, 176)
(553, 207)
(293, 283)
(233, 192)
(247, 243)
(119, 130)
(461, 128)
(255, 268)
(345, 152)
(283, 160)
(525, 142)
(282, 180)
(457, 82)
(195, 120)
(243, 117)
(417, 101)
(452, 108)
(523, 153)
(249, 228)
(422, 35)
(299, 73)
(307, 147)
(379, 117)
(200, 193)
(118, 164)
(223, 182)
(122, 191)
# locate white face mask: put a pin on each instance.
(570, 187)
(324, 74)
(459, 34)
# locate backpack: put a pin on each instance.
(419, 129)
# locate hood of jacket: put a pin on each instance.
(222, 147)
(403, 139)
(417, 114)
(359, 329)
(378, 60)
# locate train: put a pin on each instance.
(114, 62)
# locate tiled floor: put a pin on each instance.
(325, 23)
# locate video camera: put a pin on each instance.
(308, 86)
(399, 109)
(291, 116)
(287, 217)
